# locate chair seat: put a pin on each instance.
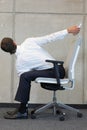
(51, 80)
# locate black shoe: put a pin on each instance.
(17, 115)
(15, 111)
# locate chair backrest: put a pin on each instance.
(71, 58)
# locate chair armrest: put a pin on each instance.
(55, 62)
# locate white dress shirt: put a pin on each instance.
(31, 56)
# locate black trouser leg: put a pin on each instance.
(23, 91)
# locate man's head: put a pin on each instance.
(8, 45)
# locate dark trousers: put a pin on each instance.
(23, 92)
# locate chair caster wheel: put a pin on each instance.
(32, 112)
(33, 115)
(62, 118)
(58, 112)
(79, 115)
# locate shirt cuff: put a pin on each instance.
(66, 31)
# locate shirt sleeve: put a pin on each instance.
(50, 38)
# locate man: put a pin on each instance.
(31, 63)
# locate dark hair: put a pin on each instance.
(7, 45)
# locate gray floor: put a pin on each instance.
(45, 121)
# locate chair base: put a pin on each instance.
(56, 109)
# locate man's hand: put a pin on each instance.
(74, 30)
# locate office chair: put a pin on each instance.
(55, 84)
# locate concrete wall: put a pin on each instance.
(26, 18)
